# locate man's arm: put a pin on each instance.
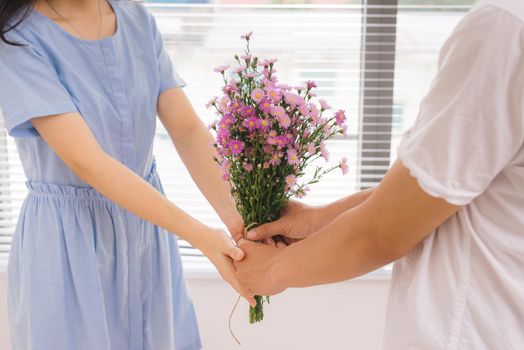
(299, 220)
(390, 223)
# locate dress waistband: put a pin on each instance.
(36, 187)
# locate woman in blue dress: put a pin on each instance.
(93, 263)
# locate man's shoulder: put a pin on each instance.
(512, 7)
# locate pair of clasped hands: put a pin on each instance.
(263, 245)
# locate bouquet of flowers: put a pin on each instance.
(267, 135)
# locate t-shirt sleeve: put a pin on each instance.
(29, 88)
(470, 124)
(169, 78)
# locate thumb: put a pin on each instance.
(235, 253)
(266, 230)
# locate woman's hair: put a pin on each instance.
(12, 13)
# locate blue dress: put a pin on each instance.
(84, 273)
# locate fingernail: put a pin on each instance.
(251, 234)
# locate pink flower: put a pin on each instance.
(247, 36)
(239, 69)
(344, 166)
(274, 95)
(236, 147)
(221, 69)
(222, 137)
(289, 137)
(324, 151)
(324, 105)
(250, 123)
(212, 102)
(311, 85)
(247, 111)
(291, 180)
(224, 103)
(267, 62)
(257, 95)
(340, 118)
(265, 105)
(281, 115)
(302, 192)
(249, 75)
(304, 110)
(292, 99)
(226, 165)
(266, 165)
(246, 57)
(247, 166)
(230, 88)
(226, 120)
(276, 158)
(292, 157)
(226, 176)
(235, 106)
(311, 148)
(284, 87)
(263, 124)
(281, 141)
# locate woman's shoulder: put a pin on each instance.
(133, 10)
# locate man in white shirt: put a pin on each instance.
(450, 210)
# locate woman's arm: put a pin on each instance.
(389, 224)
(193, 142)
(72, 140)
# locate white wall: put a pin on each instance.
(343, 316)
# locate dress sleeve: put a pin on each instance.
(470, 125)
(29, 88)
(168, 77)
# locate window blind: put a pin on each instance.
(375, 59)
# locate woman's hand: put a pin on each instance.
(222, 252)
(297, 222)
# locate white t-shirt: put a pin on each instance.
(463, 286)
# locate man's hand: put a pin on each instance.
(297, 222)
(255, 271)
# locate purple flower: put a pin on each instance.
(324, 105)
(340, 118)
(292, 157)
(344, 166)
(265, 105)
(290, 137)
(257, 95)
(221, 69)
(250, 123)
(236, 147)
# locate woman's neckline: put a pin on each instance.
(75, 37)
